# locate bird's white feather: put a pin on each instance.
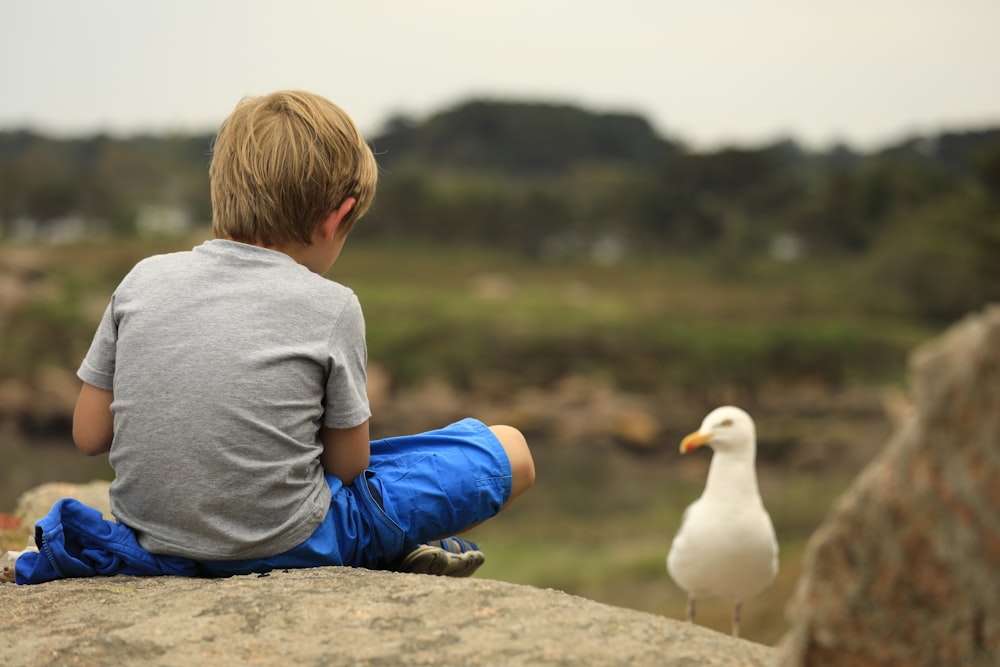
(726, 545)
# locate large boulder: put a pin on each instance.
(905, 569)
(340, 616)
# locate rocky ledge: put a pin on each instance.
(341, 616)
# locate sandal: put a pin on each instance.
(450, 557)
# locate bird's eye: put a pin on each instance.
(726, 422)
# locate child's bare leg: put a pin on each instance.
(522, 465)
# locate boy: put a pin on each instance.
(227, 384)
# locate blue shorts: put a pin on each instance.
(417, 488)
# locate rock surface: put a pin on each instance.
(340, 616)
(36, 503)
(905, 569)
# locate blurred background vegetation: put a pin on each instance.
(553, 181)
(516, 247)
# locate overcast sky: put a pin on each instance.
(708, 72)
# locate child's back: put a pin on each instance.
(227, 359)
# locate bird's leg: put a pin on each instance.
(736, 619)
(690, 609)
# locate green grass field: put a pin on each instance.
(470, 310)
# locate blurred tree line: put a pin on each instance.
(553, 181)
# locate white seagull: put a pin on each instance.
(726, 546)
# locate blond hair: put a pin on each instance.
(283, 162)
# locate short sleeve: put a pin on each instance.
(346, 402)
(98, 367)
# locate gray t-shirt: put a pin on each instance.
(224, 362)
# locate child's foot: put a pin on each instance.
(450, 557)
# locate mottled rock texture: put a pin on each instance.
(36, 503)
(906, 569)
(341, 616)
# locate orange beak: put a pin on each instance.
(694, 441)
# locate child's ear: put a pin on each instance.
(329, 226)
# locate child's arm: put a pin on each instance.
(93, 425)
(346, 451)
